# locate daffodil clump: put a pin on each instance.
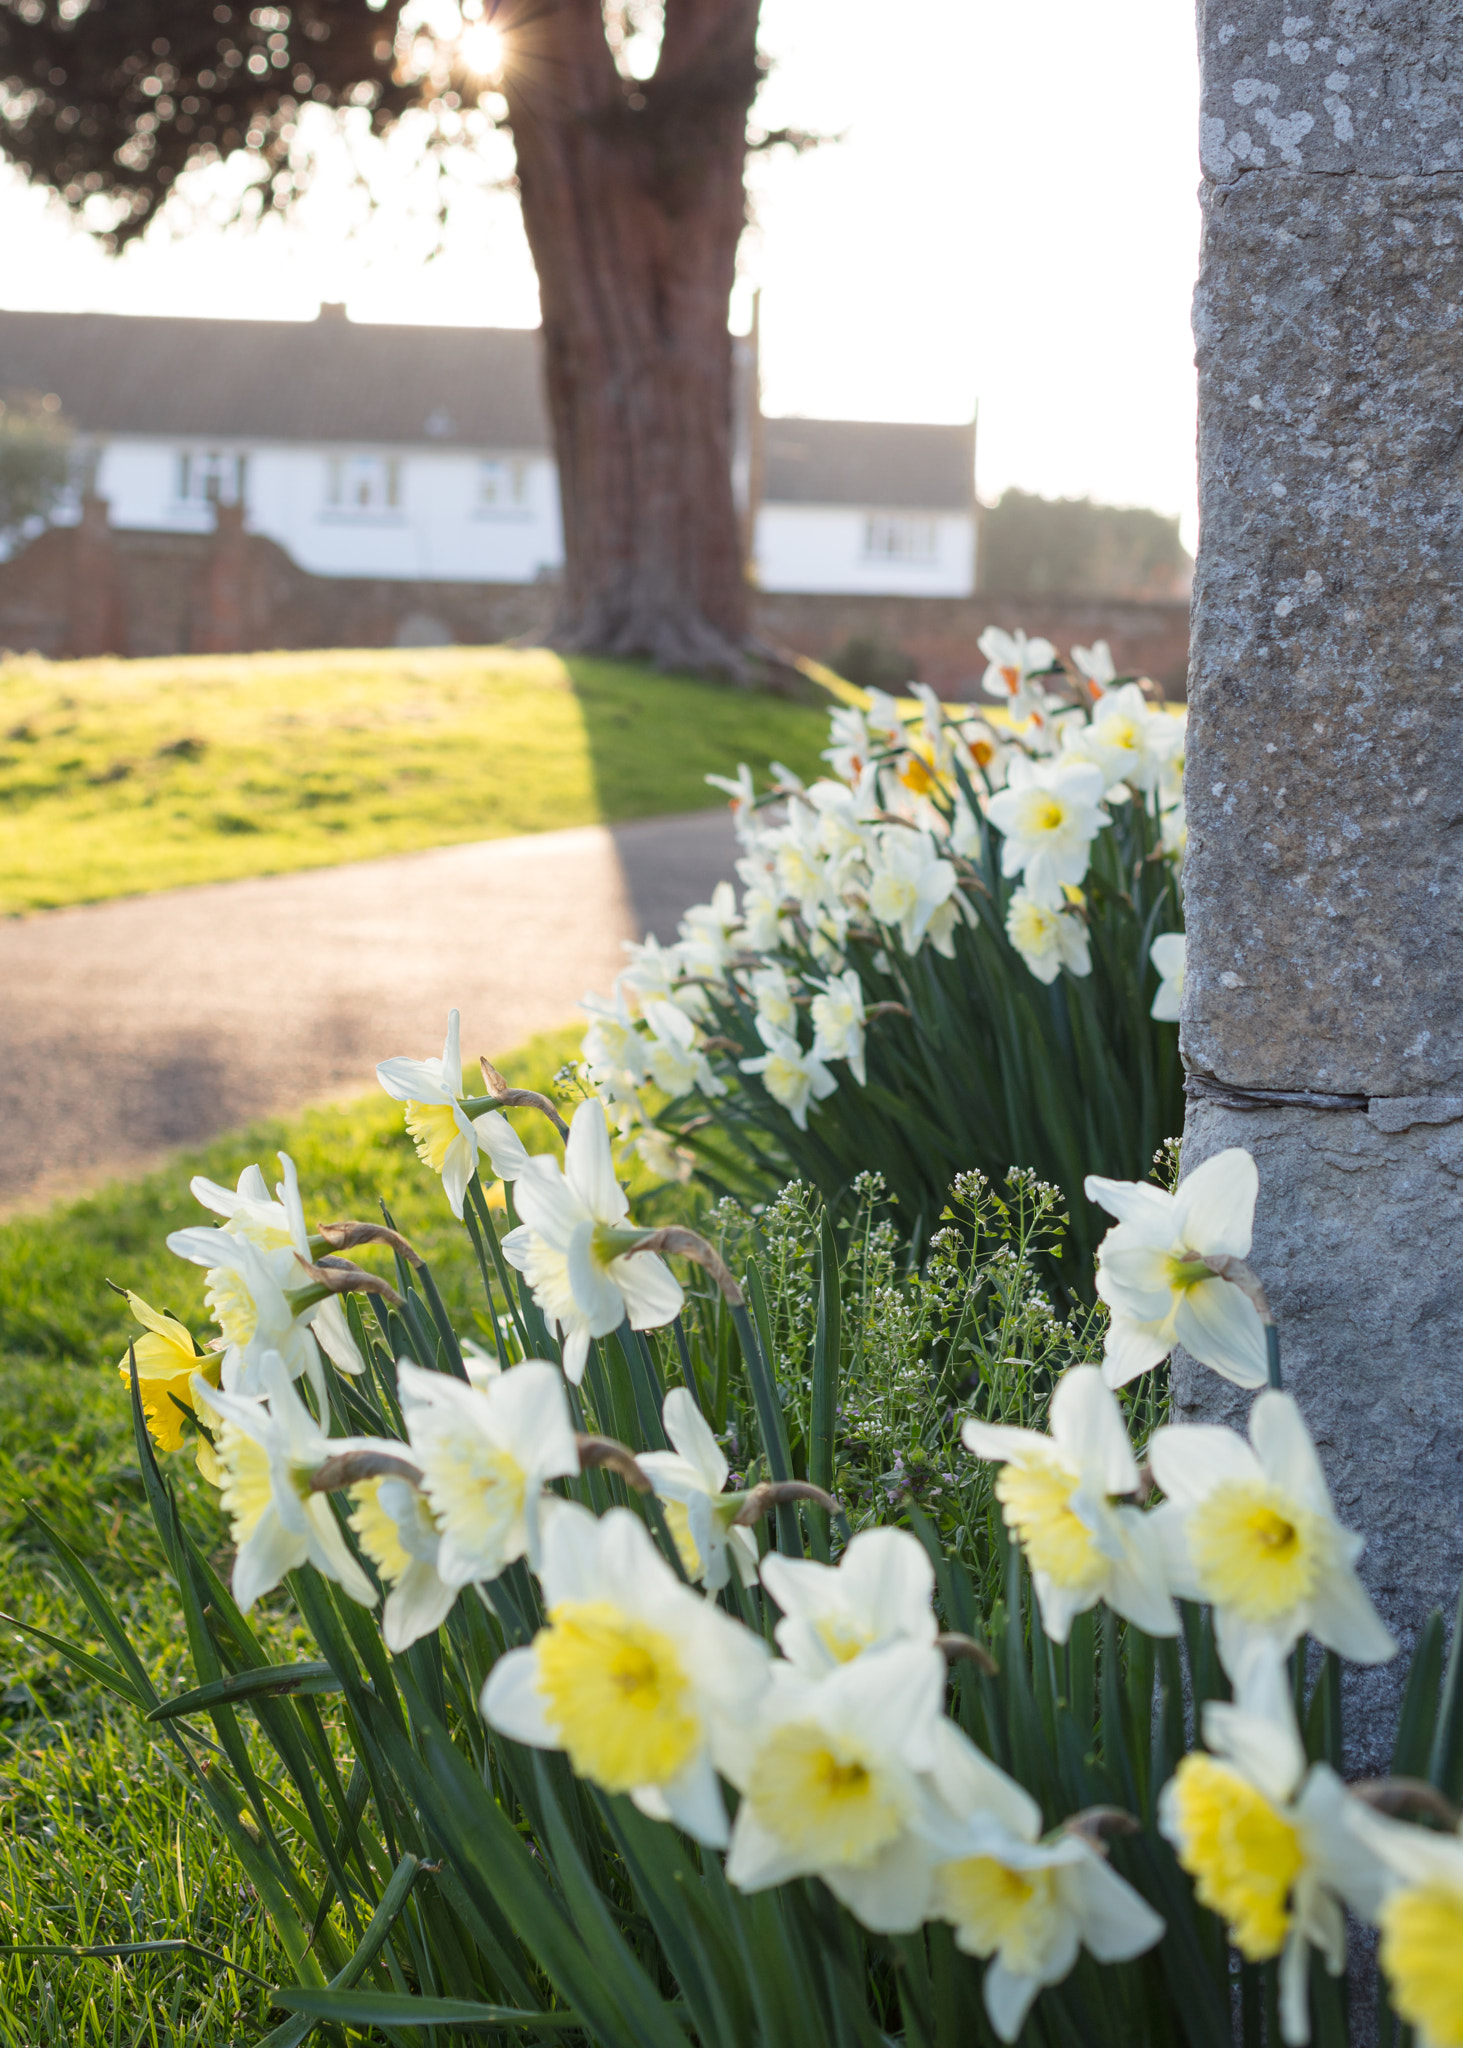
(655, 1732)
(896, 925)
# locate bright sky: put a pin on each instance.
(1010, 218)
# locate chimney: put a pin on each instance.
(332, 309)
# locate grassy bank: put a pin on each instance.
(123, 776)
(99, 1843)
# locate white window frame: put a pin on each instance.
(381, 474)
(503, 487)
(901, 537)
(210, 476)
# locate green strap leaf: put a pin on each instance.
(270, 1679)
(393, 2008)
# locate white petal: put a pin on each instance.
(1295, 2003)
(1341, 1616)
(890, 1895)
(270, 1552)
(1147, 1209)
(1000, 1442)
(513, 1704)
(334, 1333)
(596, 1296)
(1214, 1208)
(1284, 1447)
(695, 1803)
(1060, 1605)
(1137, 1586)
(1087, 1424)
(331, 1554)
(1222, 1328)
(757, 1858)
(530, 1417)
(1168, 1527)
(1115, 1923)
(576, 1354)
(413, 1081)
(459, 1164)
(417, 1604)
(1008, 1996)
(589, 1167)
(691, 1434)
(507, 1154)
(1190, 1458)
(889, 1572)
(1131, 1347)
(652, 1294)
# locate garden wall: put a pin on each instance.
(97, 589)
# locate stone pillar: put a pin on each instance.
(1323, 1012)
(95, 609)
(224, 597)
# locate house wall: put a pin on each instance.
(826, 548)
(438, 530)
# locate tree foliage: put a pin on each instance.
(35, 459)
(1052, 545)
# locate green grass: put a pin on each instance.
(118, 777)
(99, 1842)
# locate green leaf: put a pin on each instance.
(271, 1679)
(392, 2008)
(95, 1668)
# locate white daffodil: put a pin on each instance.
(673, 1059)
(486, 1454)
(772, 992)
(843, 822)
(764, 925)
(659, 1153)
(743, 794)
(1273, 1848)
(570, 1246)
(398, 1532)
(1167, 954)
(1096, 667)
(262, 1302)
(1025, 1905)
(690, 1480)
(1152, 1275)
(1012, 660)
(706, 934)
(613, 1050)
(1057, 1494)
(838, 1022)
(881, 1591)
(834, 1778)
(447, 1139)
(248, 1212)
(1250, 1527)
(848, 756)
(635, 1675)
(267, 1455)
(653, 972)
(1421, 1919)
(908, 883)
(792, 1077)
(801, 866)
(1049, 813)
(1127, 739)
(1047, 940)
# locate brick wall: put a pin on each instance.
(97, 589)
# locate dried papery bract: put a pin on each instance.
(519, 1098)
(347, 1234)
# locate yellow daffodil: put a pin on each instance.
(1421, 1920)
(1274, 1849)
(167, 1361)
(1152, 1275)
(635, 1675)
(396, 1528)
(1060, 1495)
(1250, 1527)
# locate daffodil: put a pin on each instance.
(1421, 1920)
(852, 743)
(1273, 1848)
(613, 1050)
(396, 1528)
(801, 865)
(909, 882)
(1127, 739)
(447, 1139)
(1167, 954)
(690, 1480)
(838, 1022)
(1060, 1498)
(1012, 660)
(772, 992)
(881, 1591)
(706, 934)
(1152, 1274)
(1047, 940)
(792, 1077)
(1049, 813)
(674, 1061)
(1026, 1905)
(1096, 667)
(263, 1303)
(571, 1248)
(635, 1675)
(167, 1360)
(743, 794)
(834, 1778)
(248, 1212)
(269, 1449)
(1250, 1527)
(485, 1454)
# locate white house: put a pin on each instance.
(424, 454)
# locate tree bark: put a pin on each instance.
(633, 202)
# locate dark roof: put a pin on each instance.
(288, 380)
(859, 462)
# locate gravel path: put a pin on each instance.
(133, 1027)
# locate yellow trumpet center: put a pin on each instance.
(246, 1491)
(234, 1308)
(992, 1907)
(1422, 1955)
(1242, 1855)
(1036, 1496)
(431, 1126)
(618, 1695)
(843, 1637)
(380, 1537)
(819, 1794)
(1256, 1549)
(678, 1521)
(1046, 815)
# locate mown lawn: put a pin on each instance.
(123, 776)
(99, 1841)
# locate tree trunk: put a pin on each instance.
(633, 203)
